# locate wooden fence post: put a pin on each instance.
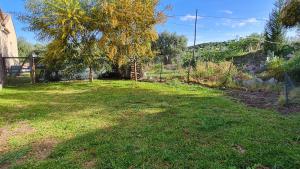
(32, 72)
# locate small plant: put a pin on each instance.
(275, 67)
(293, 67)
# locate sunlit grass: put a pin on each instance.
(123, 124)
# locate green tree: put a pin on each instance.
(25, 48)
(249, 43)
(274, 30)
(170, 45)
(69, 25)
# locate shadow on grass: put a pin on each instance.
(53, 101)
(159, 130)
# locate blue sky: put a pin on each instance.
(219, 19)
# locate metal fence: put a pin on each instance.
(291, 91)
(227, 75)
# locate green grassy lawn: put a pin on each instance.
(123, 124)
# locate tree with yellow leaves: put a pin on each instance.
(124, 29)
(70, 27)
(129, 29)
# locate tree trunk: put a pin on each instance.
(167, 60)
(161, 70)
(91, 79)
(135, 70)
(188, 74)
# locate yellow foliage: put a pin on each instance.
(62, 18)
(129, 28)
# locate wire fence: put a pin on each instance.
(230, 76)
(291, 91)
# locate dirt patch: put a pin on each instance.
(40, 151)
(263, 100)
(90, 164)
(240, 149)
(23, 128)
(43, 149)
(262, 167)
(6, 133)
(5, 166)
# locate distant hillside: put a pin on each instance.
(212, 44)
(218, 51)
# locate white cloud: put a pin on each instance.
(247, 22)
(189, 17)
(240, 23)
(227, 12)
(251, 20)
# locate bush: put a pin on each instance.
(293, 67)
(215, 74)
(275, 67)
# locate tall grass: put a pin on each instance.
(215, 74)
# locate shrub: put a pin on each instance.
(293, 67)
(275, 67)
(215, 74)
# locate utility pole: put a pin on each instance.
(194, 48)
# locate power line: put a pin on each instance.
(179, 24)
(219, 17)
(212, 17)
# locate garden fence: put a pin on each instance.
(291, 91)
(18, 70)
(226, 75)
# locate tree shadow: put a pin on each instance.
(154, 129)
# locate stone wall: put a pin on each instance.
(8, 41)
(255, 58)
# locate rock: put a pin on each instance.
(249, 83)
(253, 82)
(259, 80)
(271, 81)
(290, 56)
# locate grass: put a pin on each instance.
(123, 124)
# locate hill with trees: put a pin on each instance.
(217, 51)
